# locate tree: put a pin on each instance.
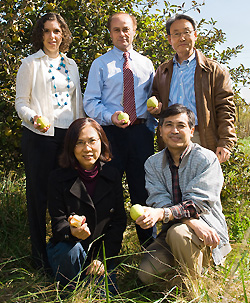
(87, 21)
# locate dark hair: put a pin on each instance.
(121, 13)
(171, 20)
(177, 109)
(37, 35)
(67, 158)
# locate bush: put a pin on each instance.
(236, 192)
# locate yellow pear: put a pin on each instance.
(152, 102)
(136, 211)
(123, 116)
(43, 121)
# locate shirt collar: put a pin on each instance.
(170, 159)
(119, 53)
(191, 58)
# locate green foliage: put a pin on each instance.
(244, 145)
(87, 21)
(235, 194)
(13, 216)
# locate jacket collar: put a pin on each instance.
(103, 186)
(41, 54)
(201, 60)
(184, 156)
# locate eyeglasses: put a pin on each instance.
(185, 34)
(91, 142)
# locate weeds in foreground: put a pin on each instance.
(19, 282)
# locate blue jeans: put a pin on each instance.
(68, 259)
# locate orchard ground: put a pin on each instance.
(19, 282)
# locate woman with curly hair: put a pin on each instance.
(48, 99)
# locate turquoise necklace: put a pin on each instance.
(61, 65)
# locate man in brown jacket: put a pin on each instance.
(199, 83)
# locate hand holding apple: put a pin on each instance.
(76, 220)
(123, 116)
(120, 119)
(154, 106)
(41, 123)
(152, 102)
(136, 211)
(78, 227)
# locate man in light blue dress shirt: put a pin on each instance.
(131, 144)
(199, 83)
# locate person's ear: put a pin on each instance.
(169, 39)
(195, 34)
(192, 131)
(160, 130)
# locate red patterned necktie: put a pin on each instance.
(128, 90)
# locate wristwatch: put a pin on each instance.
(32, 120)
(166, 217)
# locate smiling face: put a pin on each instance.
(88, 147)
(52, 38)
(184, 44)
(122, 32)
(176, 133)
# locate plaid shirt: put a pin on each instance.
(181, 209)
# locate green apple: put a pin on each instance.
(136, 211)
(43, 121)
(123, 116)
(152, 102)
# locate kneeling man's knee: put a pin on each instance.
(146, 272)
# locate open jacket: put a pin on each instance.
(200, 180)
(105, 214)
(214, 101)
(33, 91)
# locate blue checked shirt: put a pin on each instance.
(182, 84)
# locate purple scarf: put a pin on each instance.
(89, 177)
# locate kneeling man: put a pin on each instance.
(184, 182)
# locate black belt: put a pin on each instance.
(139, 121)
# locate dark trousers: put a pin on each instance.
(130, 148)
(40, 157)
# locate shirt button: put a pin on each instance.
(112, 210)
(66, 236)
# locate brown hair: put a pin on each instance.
(37, 35)
(121, 13)
(67, 158)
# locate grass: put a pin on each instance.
(19, 282)
(244, 145)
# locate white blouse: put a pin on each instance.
(35, 92)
